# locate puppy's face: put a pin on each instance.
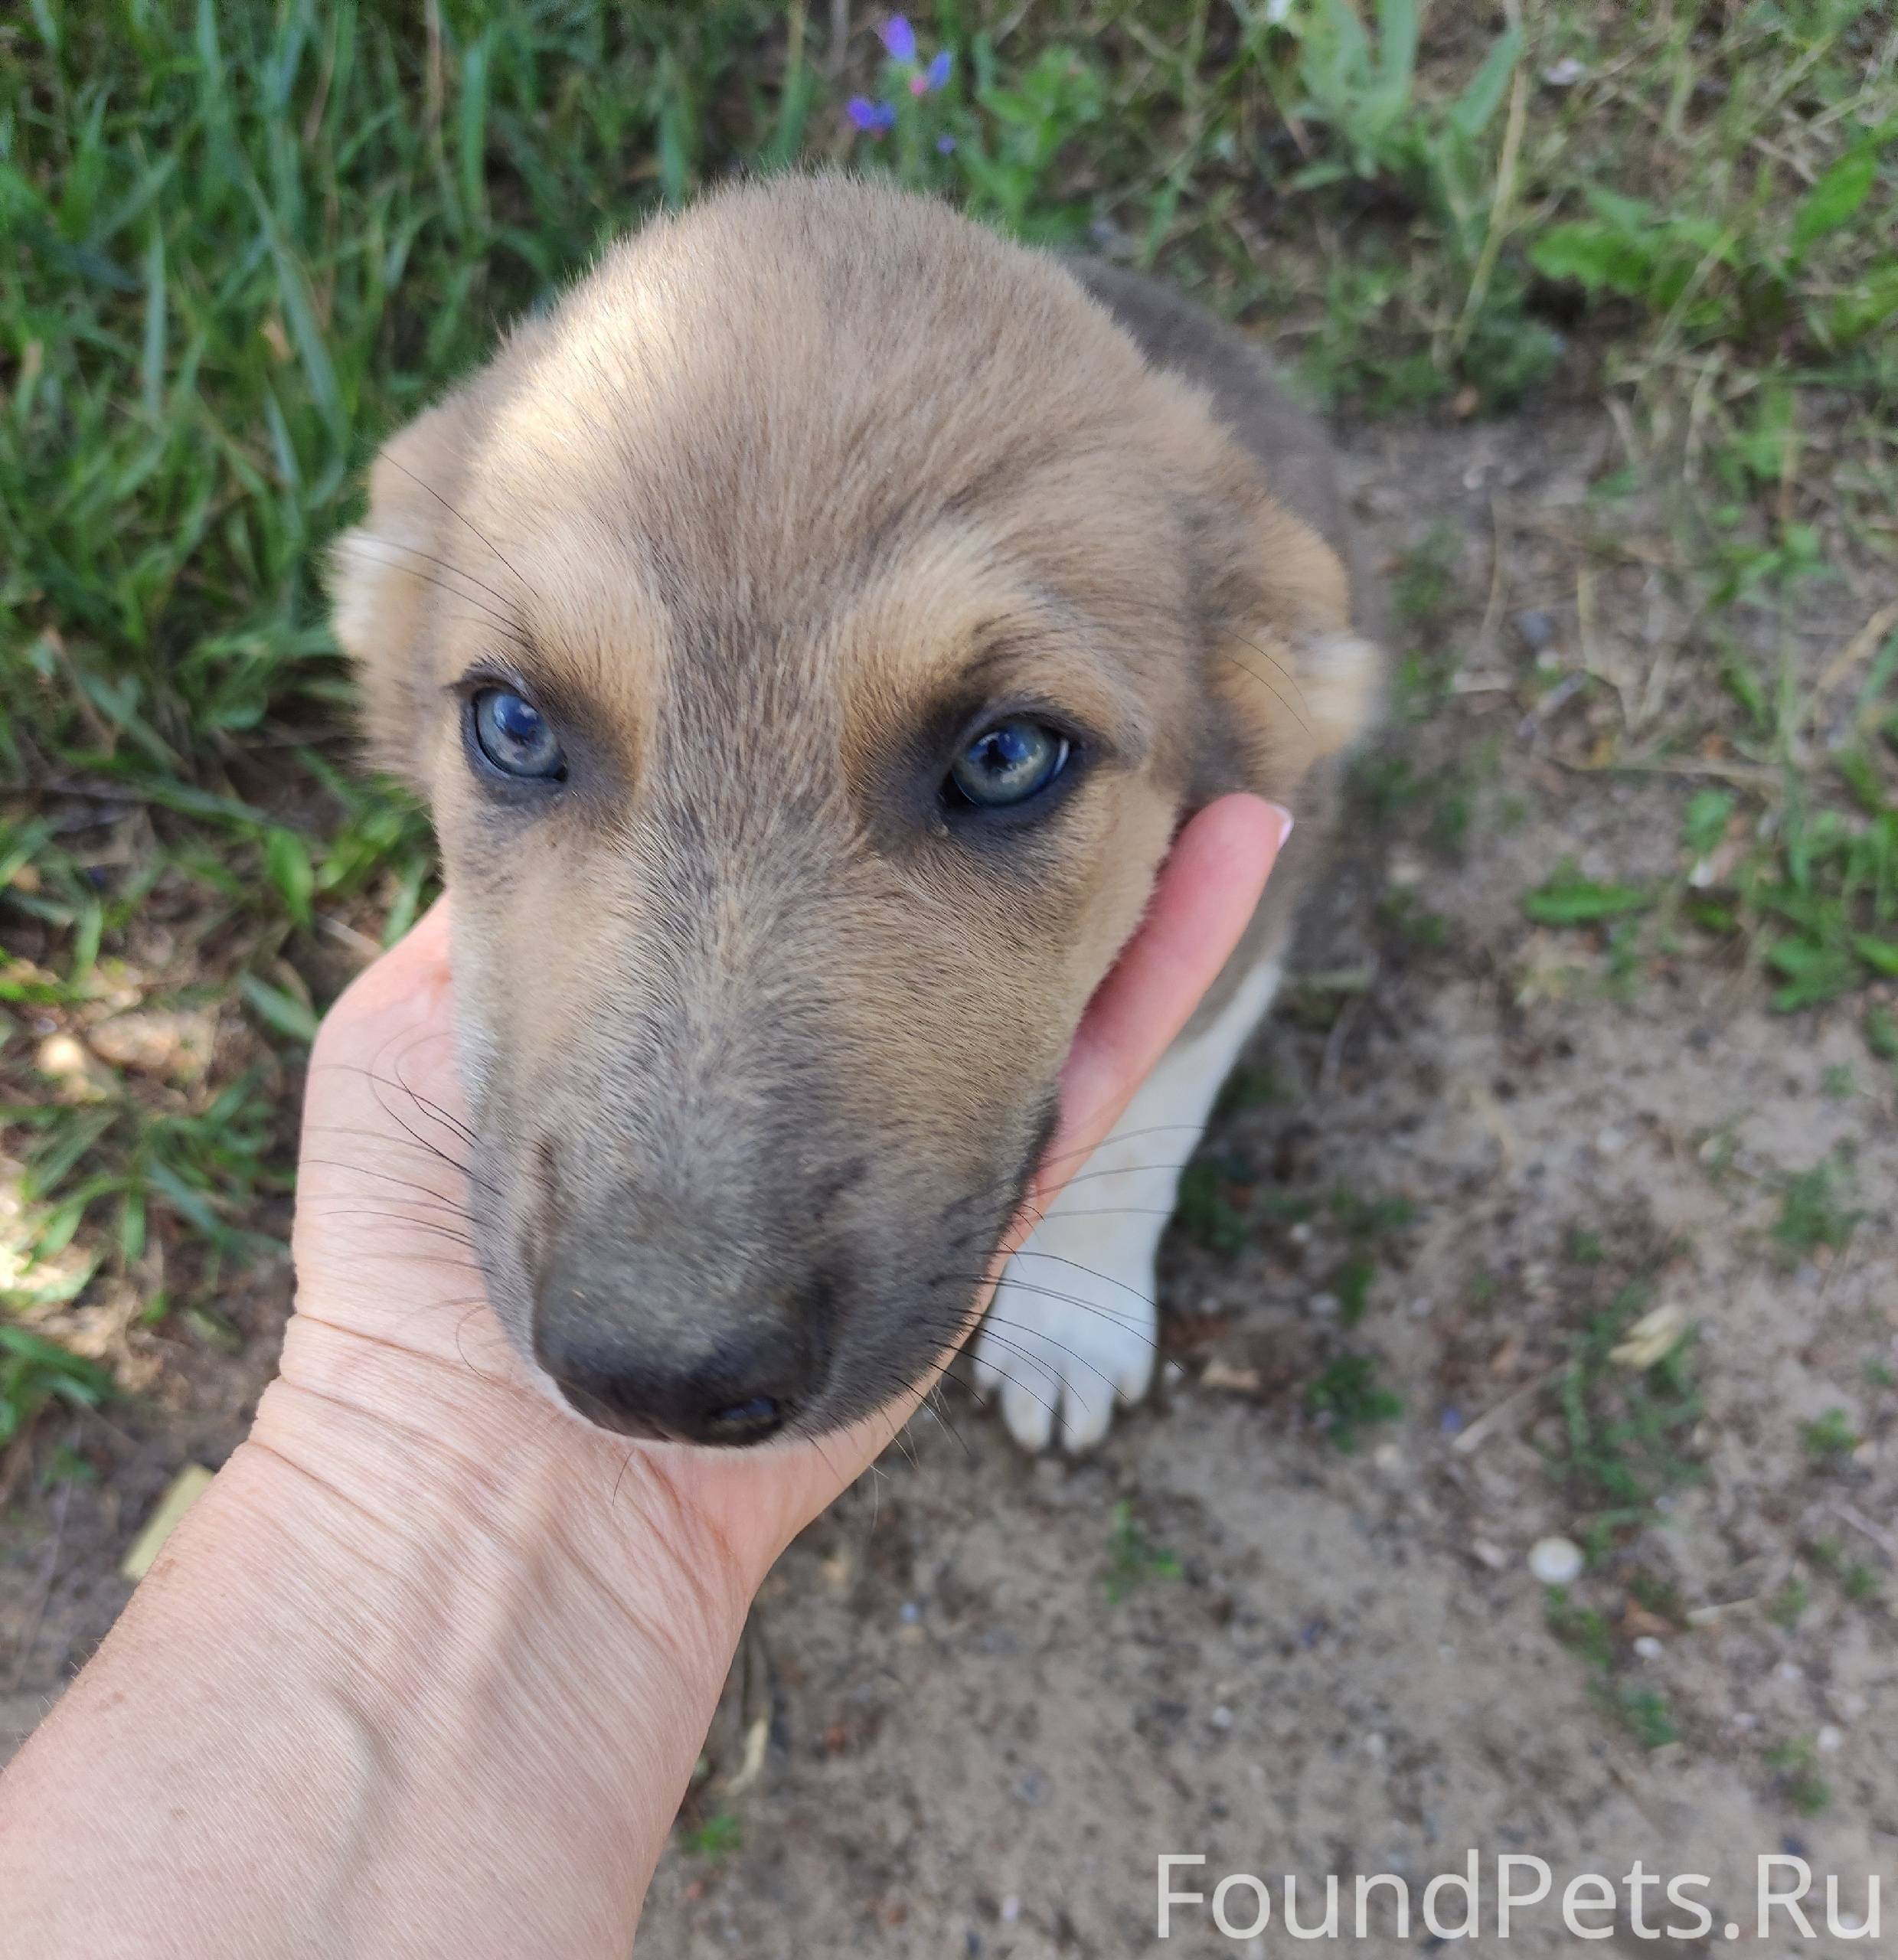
(808, 639)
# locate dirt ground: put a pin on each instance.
(993, 1696)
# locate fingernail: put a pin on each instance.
(1286, 822)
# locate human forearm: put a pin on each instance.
(426, 1670)
(450, 1709)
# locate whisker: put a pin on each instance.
(1125, 1171)
(442, 1114)
(1289, 675)
(511, 607)
(991, 1185)
(929, 1402)
(388, 1177)
(401, 1218)
(435, 1151)
(509, 622)
(440, 1260)
(1035, 1361)
(461, 1325)
(1112, 1211)
(982, 1401)
(1022, 1327)
(427, 1104)
(461, 517)
(899, 1435)
(1114, 1316)
(1093, 1272)
(395, 1117)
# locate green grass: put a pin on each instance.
(1858, 1581)
(716, 1838)
(1646, 1714)
(1346, 1398)
(1206, 1209)
(36, 1374)
(1795, 1766)
(1643, 1711)
(1787, 1605)
(1626, 1434)
(245, 241)
(1812, 1219)
(1133, 1559)
(1828, 1439)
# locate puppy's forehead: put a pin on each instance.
(751, 411)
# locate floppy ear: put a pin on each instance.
(1299, 675)
(383, 573)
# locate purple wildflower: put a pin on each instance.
(944, 144)
(932, 77)
(899, 37)
(872, 118)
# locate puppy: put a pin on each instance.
(809, 636)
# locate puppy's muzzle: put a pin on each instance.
(607, 1332)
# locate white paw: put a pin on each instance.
(1062, 1344)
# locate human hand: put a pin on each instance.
(448, 1651)
(390, 1312)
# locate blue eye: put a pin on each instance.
(1009, 763)
(514, 736)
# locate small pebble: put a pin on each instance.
(61, 1056)
(1011, 1909)
(1789, 1671)
(1323, 1305)
(1375, 1745)
(1565, 73)
(1486, 1553)
(1556, 1561)
(1649, 1647)
(1218, 1375)
(1744, 1721)
(1538, 629)
(909, 1613)
(1221, 1717)
(1831, 1739)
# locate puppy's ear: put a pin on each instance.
(383, 572)
(1298, 675)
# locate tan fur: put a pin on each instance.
(760, 1046)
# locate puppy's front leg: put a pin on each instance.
(1073, 1328)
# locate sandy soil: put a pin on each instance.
(992, 1699)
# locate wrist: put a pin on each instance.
(450, 1671)
(427, 1472)
(490, 1660)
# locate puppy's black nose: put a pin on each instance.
(717, 1380)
